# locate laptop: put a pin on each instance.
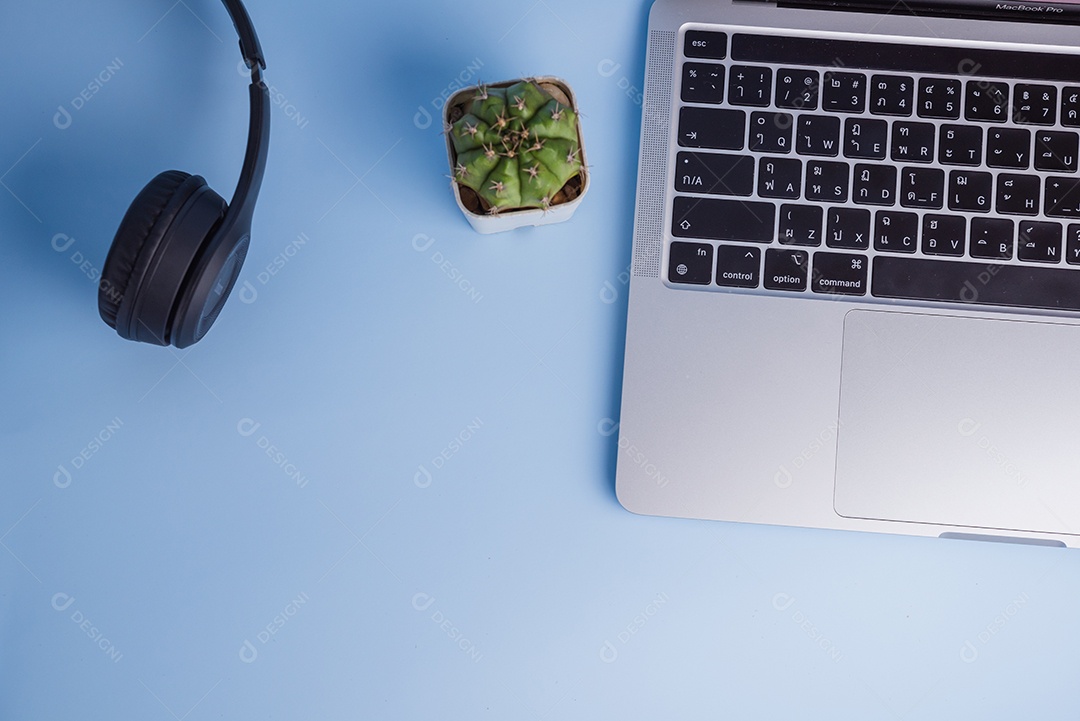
(855, 286)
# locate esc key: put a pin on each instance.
(703, 44)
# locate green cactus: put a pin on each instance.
(516, 146)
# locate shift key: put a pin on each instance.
(719, 219)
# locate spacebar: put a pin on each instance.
(980, 283)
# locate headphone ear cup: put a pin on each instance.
(159, 243)
(144, 213)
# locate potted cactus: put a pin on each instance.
(516, 153)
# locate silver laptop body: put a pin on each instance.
(881, 332)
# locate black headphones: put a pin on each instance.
(180, 247)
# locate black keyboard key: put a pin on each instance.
(786, 269)
(714, 173)
(716, 128)
(874, 184)
(961, 145)
(922, 188)
(1070, 106)
(827, 181)
(970, 190)
(987, 101)
(1018, 194)
(818, 135)
(1021, 286)
(690, 263)
(1028, 63)
(800, 224)
(1061, 198)
(991, 238)
(848, 228)
(749, 85)
(771, 132)
(939, 98)
(705, 44)
(944, 235)
(797, 89)
(891, 94)
(865, 139)
(896, 231)
(1034, 104)
(702, 83)
(1072, 244)
(913, 142)
(779, 178)
(843, 92)
(722, 219)
(1008, 148)
(1056, 150)
(840, 274)
(738, 266)
(1039, 242)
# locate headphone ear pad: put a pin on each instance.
(142, 215)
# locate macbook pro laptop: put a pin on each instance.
(855, 286)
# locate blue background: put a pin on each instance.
(379, 491)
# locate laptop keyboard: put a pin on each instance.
(831, 167)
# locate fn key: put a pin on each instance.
(690, 263)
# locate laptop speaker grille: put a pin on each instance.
(656, 127)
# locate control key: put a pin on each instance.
(738, 266)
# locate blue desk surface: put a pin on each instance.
(382, 487)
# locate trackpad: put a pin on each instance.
(960, 421)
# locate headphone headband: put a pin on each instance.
(242, 204)
(249, 41)
(216, 270)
